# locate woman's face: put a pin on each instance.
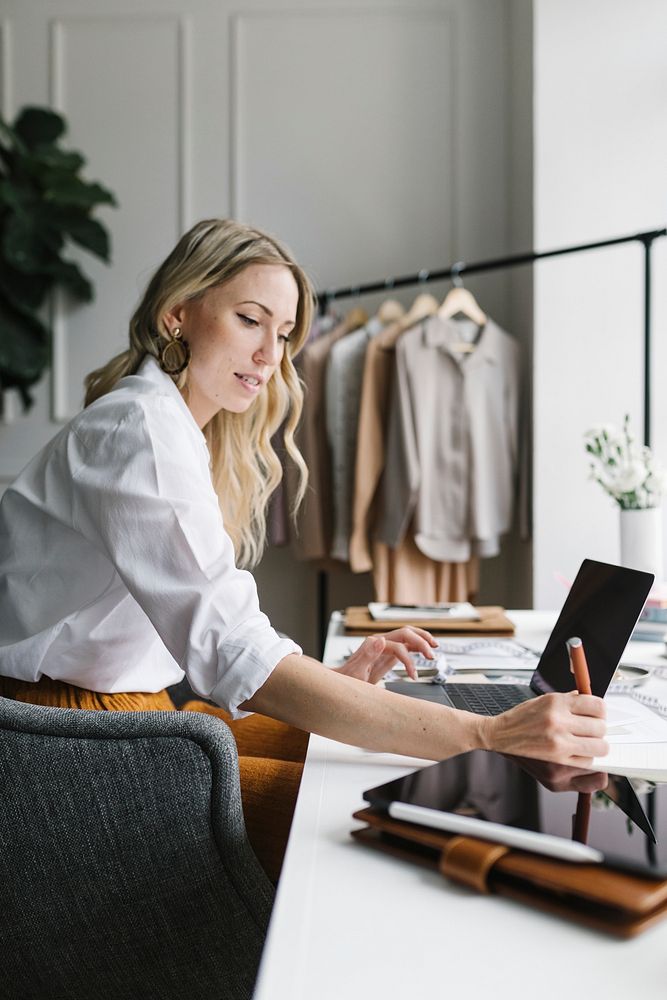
(237, 334)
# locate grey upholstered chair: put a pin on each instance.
(125, 870)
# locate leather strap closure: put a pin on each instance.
(469, 861)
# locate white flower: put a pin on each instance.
(602, 429)
(629, 477)
(628, 472)
(657, 481)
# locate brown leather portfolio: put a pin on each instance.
(617, 902)
(492, 621)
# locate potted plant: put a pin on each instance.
(45, 206)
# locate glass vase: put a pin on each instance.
(641, 540)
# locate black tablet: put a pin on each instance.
(565, 812)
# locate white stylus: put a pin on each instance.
(527, 840)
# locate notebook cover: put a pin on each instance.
(492, 621)
(613, 901)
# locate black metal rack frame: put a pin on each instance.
(455, 271)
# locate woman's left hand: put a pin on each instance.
(378, 653)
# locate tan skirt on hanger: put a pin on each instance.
(271, 754)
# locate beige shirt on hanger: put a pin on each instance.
(452, 441)
(402, 574)
(369, 459)
(344, 373)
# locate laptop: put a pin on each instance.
(602, 608)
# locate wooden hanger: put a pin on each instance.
(460, 302)
(355, 318)
(390, 310)
(423, 306)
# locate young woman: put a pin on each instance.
(121, 544)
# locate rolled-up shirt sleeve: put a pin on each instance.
(142, 493)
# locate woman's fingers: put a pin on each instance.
(379, 653)
(590, 781)
(584, 725)
(370, 662)
(370, 654)
(566, 728)
(587, 705)
(416, 639)
(587, 720)
(588, 747)
(397, 651)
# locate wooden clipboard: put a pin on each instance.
(492, 621)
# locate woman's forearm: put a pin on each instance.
(305, 694)
(565, 728)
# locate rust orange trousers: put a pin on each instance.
(271, 754)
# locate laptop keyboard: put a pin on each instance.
(487, 699)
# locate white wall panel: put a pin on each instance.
(5, 69)
(120, 81)
(600, 168)
(347, 118)
(374, 141)
(10, 406)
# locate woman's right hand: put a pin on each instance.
(564, 728)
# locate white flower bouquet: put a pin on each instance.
(628, 472)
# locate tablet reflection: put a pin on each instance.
(510, 790)
(617, 789)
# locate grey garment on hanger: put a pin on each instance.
(344, 375)
(452, 441)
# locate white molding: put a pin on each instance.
(6, 53)
(10, 403)
(234, 32)
(10, 407)
(60, 409)
(456, 146)
(183, 37)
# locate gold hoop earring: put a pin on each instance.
(175, 354)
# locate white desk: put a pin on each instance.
(352, 923)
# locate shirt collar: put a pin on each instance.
(444, 333)
(150, 370)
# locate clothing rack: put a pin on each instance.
(454, 272)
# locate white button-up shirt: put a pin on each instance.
(116, 573)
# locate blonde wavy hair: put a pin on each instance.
(245, 467)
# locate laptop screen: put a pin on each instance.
(602, 609)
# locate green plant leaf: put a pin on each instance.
(22, 245)
(43, 203)
(26, 292)
(63, 189)
(10, 381)
(67, 274)
(51, 158)
(36, 126)
(24, 345)
(15, 195)
(51, 237)
(10, 138)
(88, 233)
